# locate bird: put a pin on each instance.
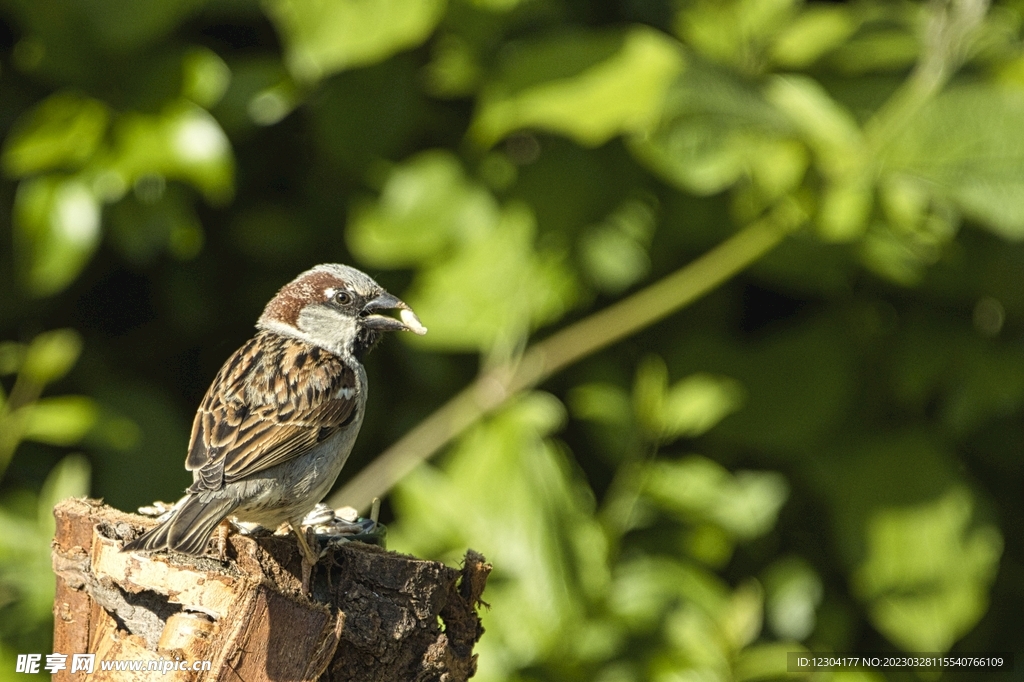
(279, 420)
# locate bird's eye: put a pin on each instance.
(343, 298)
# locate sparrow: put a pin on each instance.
(281, 416)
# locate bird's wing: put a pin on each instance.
(273, 400)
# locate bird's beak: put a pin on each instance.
(407, 320)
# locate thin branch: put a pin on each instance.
(620, 320)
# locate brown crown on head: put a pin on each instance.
(310, 287)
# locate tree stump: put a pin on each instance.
(370, 615)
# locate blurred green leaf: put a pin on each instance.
(741, 621)
(426, 206)
(645, 587)
(964, 145)
(51, 355)
(497, 5)
(793, 593)
(62, 132)
(846, 205)
(601, 402)
(881, 48)
(861, 474)
(696, 488)
(712, 131)
(824, 123)
(733, 31)
(494, 289)
(61, 420)
(454, 69)
(25, 563)
(270, 105)
(698, 621)
(57, 229)
(892, 257)
(257, 93)
(904, 200)
(205, 77)
(588, 86)
(815, 31)
(778, 166)
(515, 493)
(650, 388)
(692, 645)
(698, 402)
(12, 355)
(928, 571)
(324, 37)
(613, 259)
(614, 252)
(183, 142)
(688, 408)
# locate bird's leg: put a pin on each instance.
(307, 551)
(221, 535)
(309, 559)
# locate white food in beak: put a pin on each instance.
(412, 323)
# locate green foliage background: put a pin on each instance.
(825, 452)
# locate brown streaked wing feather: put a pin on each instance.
(273, 400)
(268, 442)
(225, 389)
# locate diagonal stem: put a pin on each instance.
(626, 317)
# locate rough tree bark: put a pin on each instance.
(371, 614)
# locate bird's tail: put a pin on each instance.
(189, 528)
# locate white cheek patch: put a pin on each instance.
(411, 322)
(345, 393)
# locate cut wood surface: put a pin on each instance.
(370, 615)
